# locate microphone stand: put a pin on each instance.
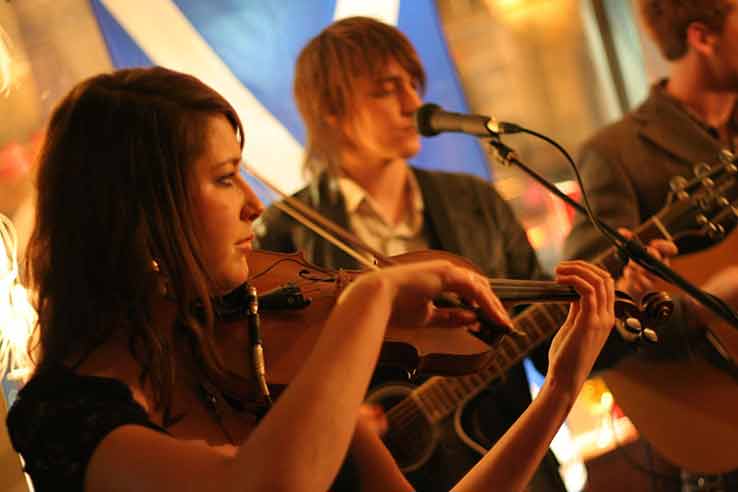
(633, 248)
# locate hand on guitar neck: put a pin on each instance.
(636, 280)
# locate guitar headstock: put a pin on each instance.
(700, 212)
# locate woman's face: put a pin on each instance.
(224, 207)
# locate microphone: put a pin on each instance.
(431, 119)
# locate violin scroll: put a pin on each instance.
(633, 320)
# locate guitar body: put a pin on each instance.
(413, 443)
(687, 409)
(698, 267)
(430, 454)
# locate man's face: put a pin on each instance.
(382, 125)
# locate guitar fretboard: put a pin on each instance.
(440, 396)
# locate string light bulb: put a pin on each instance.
(17, 315)
(5, 62)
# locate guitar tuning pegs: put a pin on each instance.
(677, 183)
(727, 155)
(701, 169)
(715, 231)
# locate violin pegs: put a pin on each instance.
(626, 333)
(633, 325)
(650, 335)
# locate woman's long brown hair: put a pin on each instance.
(112, 196)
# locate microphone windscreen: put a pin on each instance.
(423, 119)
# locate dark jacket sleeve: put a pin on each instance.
(610, 192)
(610, 184)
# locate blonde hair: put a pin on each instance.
(327, 70)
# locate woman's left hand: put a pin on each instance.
(579, 341)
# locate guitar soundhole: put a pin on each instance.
(410, 438)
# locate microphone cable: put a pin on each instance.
(627, 248)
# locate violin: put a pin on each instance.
(296, 297)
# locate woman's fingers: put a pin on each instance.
(474, 287)
(593, 284)
(576, 345)
(417, 284)
(452, 317)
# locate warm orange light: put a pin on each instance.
(509, 4)
(521, 10)
(17, 316)
(536, 236)
(5, 72)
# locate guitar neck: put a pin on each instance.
(440, 396)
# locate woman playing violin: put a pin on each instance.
(142, 219)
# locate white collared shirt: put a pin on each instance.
(371, 228)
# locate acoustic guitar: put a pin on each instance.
(688, 409)
(689, 405)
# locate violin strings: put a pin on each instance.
(300, 212)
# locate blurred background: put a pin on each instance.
(561, 67)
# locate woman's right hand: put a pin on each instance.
(579, 341)
(414, 286)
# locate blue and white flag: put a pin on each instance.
(246, 50)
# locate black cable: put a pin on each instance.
(629, 249)
(613, 238)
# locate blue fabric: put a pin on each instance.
(124, 52)
(419, 21)
(259, 42)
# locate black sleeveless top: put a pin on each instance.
(60, 417)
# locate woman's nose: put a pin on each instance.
(252, 207)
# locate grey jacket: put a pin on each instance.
(626, 167)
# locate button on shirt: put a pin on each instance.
(371, 228)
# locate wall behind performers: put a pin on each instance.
(527, 65)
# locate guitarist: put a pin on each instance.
(686, 119)
(357, 85)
